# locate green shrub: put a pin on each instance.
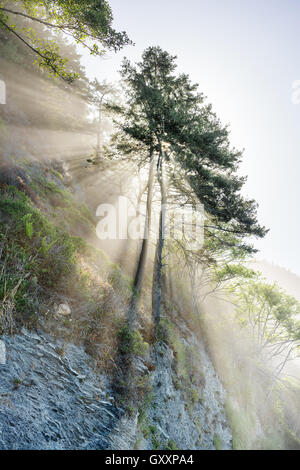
(76, 215)
(146, 432)
(131, 342)
(148, 399)
(119, 281)
(171, 445)
(156, 444)
(35, 254)
(28, 225)
(34, 232)
(152, 429)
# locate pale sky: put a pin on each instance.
(245, 55)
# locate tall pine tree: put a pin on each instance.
(165, 112)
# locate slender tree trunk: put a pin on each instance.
(139, 275)
(129, 251)
(140, 270)
(98, 148)
(276, 377)
(158, 263)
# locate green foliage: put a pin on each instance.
(156, 444)
(162, 331)
(167, 114)
(171, 445)
(151, 431)
(76, 216)
(130, 410)
(87, 22)
(236, 272)
(35, 255)
(28, 225)
(187, 360)
(197, 422)
(177, 383)
(195, 395)
(15, 286)
(148, 400)
(272, 316)
(57, 174)
(188, 374)
(146, 432)
(132, 342)
(119, 281)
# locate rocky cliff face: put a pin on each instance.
(54, 399)
(52, 402)
(52, 393)
(176, 420)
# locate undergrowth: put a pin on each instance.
(43, 264)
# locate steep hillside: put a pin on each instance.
(70, 353)
(130, 317)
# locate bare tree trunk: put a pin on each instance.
(140, 270)
(277, 375)
(139, 275)
(138, 279)
(129, 254)
(158, 262)
(98, 147)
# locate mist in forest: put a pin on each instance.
(67, 158)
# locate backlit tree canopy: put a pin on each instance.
(87, 22)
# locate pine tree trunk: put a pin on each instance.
(138, 279)
(98, 147)
(158, 263)
(140, 270)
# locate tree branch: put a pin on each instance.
(55, 70)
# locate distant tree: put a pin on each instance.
(99, 94)
(271, 316)
(87, 22)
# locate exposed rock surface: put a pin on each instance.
(53, 398)
(53, 402)
(201, 425)
(64, 309)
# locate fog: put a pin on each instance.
(45, 122)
